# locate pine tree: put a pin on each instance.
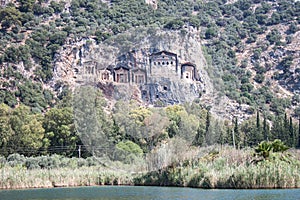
(286, 134)
(266, 129)
(221, 138)
(298, 145)
(258, 136)
(200, 137)
(258, 121)
(236, 132)
(277, 129)
(207, 122)
(248, 130)
(291, 133)
(229, 139)
(207, 128)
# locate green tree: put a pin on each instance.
(144, 126)
(93, 126)
(249, 130)
(57, 7)
(200, 137)
(229, 135)
(266, 129)
(237, 134)
(188, 127)
(221, 129)
(259, 78)
(123, 124)
(286, 135)
(181, 123)
(28, 132)
(9, 17)
(258, 136)
(285, 64)
(210, 33)
(60, 131)
(155, 126)
(274, 37)
(173, 113)
(26, 5)
(174, 24)
(277, 128)
(6, 131)
(257, 120)
(207, 123)
(291, 133)
(127, 151)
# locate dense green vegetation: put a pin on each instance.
(132, 129)
(33, 32)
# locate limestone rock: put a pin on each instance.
(153, 3)
(153, 67)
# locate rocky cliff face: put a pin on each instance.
(85, 62)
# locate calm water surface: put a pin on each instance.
(146, 193)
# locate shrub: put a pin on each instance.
(265, 148)
(15, 160)
(259, 78)
(32, 163)
(92, 161)
(247, 87)
(274, 37)
(252, 38)
(2, 161)
(210, 33)
(128, 151)
(174, 24)
(293, 28)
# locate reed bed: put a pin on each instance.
(231, 168)
(218, 168)
(17, 178)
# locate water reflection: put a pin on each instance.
(146, 193)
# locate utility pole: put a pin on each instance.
(79, 151)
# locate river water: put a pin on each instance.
(146, 193)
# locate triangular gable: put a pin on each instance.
(164, 53)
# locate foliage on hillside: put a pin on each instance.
(32, 32)
(260, 32)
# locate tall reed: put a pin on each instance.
(13, 177)
(230, 169)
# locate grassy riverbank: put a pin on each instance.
(18, 172)
(230, 169)
(214, 168)
(17, 178)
